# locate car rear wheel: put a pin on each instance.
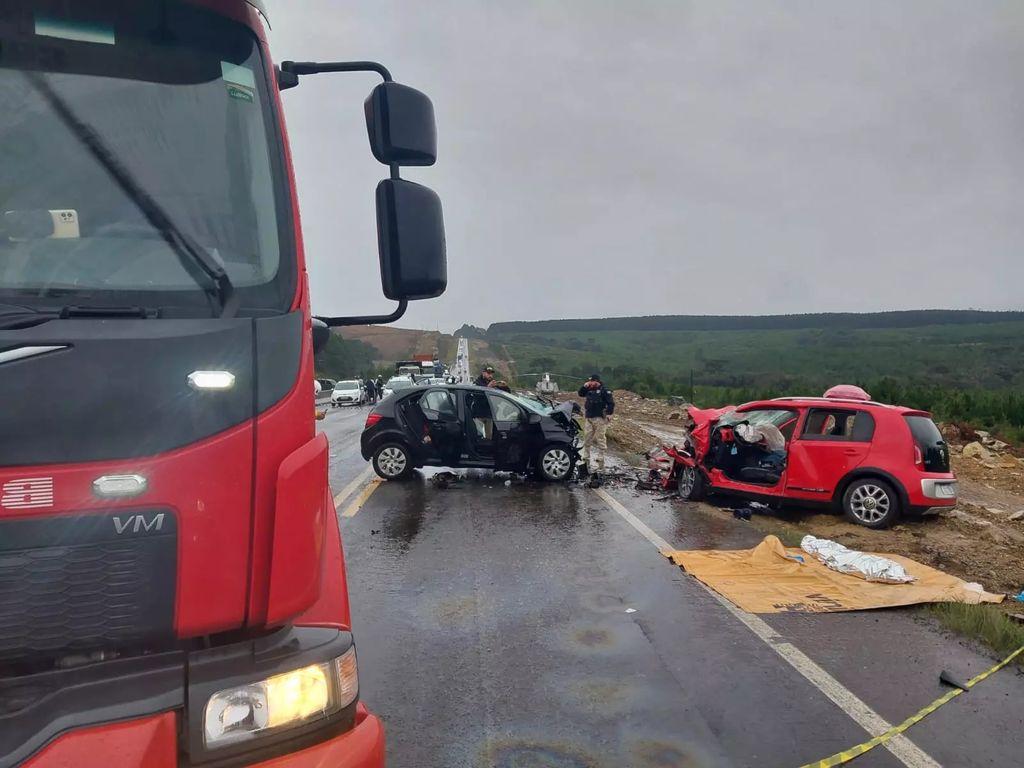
(871, 502)
(690, 483)
(554, 464)
(392, 461)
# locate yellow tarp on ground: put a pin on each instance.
(766, 579)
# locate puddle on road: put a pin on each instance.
(657, 754)
(526, 754)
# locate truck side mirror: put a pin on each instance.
(400, 122)
(410, 235)
(410, 227)
(321, 335)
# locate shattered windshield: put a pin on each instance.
(176, 98)
(534, 405)
(775, 417)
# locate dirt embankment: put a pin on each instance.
(981, 540)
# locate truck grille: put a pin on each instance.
(86, 582)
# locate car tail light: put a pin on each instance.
(372, 419)
(918, 457)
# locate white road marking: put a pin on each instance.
(900, 746)
(349, 489)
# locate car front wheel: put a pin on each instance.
(392, 461)
(690, 483)
(871, 502)
(554, 464)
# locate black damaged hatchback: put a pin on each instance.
(469, 426)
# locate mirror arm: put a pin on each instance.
(335, 322)
(316, 68)
(290, 71)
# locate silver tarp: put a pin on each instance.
(845, 560)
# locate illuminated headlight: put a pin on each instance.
(283, 701)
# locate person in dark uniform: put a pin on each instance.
(598, 407)
(485, 378)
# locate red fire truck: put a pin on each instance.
(172, 582)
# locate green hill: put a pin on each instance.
(961, 364)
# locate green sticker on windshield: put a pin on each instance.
(240, 93)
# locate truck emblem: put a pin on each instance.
(27, 493)
(138, 524)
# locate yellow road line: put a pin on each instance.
(366, 493)
(902, 748)
(349, 489)
(839, 758)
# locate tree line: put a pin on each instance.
(825, 320)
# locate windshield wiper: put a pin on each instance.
(191, 254)
(16, 317)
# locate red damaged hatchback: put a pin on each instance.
(873, 461)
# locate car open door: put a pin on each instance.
(509, 433)
(444, 427)
(830, 443)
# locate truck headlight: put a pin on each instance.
(283, 701)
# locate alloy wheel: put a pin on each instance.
(687, 479)
(869, 503)
(392, 461)
(556, 463)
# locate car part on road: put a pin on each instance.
(871, 502)
(392, 462)
(850, 561)
(950, 679)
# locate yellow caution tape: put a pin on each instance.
(848, 754)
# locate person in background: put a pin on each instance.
(380, 385)
(485, 378)
(371, 391)
(598, 407)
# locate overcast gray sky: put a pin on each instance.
(624, 158)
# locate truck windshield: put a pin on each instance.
(177, 97)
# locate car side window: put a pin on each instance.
(437, 404)
(504, 410)
(838, 424)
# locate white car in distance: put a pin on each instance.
(348, 392)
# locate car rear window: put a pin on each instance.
(928, 438)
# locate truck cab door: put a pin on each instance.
(510, 423)
(830, 443)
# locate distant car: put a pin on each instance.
(873, 461)
(468, 426)
(397, 384)
(349, 392)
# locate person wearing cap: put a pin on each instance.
(598, 407)
(485, 378)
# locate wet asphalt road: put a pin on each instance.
(530, 626)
